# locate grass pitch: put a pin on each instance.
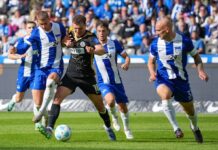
(151, 131)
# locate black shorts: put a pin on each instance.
(88, 85)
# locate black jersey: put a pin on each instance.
(80, 64)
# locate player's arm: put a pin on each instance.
(200, 68)
(152, 68)
(125, 65)
(14, 53)
(95, 47)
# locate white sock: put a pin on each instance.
(113, 112)
(193, 121)
(125, 120)
(13, 99)
(48, 94)
(170, 113)
(35, 109)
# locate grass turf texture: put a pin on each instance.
(151, 131)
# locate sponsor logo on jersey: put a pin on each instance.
(77, 50)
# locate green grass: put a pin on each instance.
(151, 131)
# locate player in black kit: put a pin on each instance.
(83, 45)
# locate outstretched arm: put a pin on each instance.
(200, 68)
(152, 68)
(125, 66)
(97, 49)
(13, 55)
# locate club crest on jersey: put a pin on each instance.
(82, 44)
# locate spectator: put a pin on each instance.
(137, 37)
(17, 20)
(145, 45)
(128, 30)
(59, 10)
(198, 42)
(161, 6)
(107, 13)
(4, 27)
(182, 27)
(177, 8)
(137, 16)
(72, 13)
(193, 25)
(116, 5)
(4, 45)
(123, 14)
(97, 7)
(115, 27)
(148, 12)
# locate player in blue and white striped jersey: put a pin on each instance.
(27, 67)
(169, 50)
(109, 80)
(48, 37)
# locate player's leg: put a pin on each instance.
(51, 86)
(109, 97)
(122, 101)
(23, 84)
(192, 116)
(16, 98)
(125, 119)
(98, 102)
(184, 96)
(90, 88)
(165, 94)
(61, 94)
(37, 99)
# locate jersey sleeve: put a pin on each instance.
(119, 47)
(189, 47)
(153, 48)
(30, 40)
(94, 41)
(20, 46)
(63, 31)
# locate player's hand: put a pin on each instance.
(22, 56)
(90, 49)
(152, 77)
(68, 42)
(203, 76)
(125, 67)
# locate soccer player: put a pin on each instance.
(80, 74)
(109, 80)
(26, 70)
(48, 37)
(169, 50)
(27, 67)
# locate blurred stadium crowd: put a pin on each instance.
(130, 21)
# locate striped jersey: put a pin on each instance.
(49, 45)
(28, 63)
(171, 56)
(106, 65)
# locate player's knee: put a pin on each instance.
(50, 83)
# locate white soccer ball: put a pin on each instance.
(63, 132)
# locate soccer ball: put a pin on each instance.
(62, 132)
